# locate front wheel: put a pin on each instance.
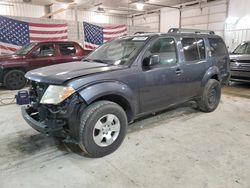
(14, 80)
(102, 129)
(210, 98)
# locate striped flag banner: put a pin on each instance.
(95, 35)
(15, 33)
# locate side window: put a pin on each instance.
(217, 46)
(45, 51)
(67, 49)
(166, 49)
(201, 47)
(190, 49)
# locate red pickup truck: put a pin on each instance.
(35, 55)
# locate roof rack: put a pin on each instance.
(140, 32)
(196, 31)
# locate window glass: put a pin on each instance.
(248, 48)
(166, 49)
(118, 51)
(190, 49)
(45, 51)
(217, 46)
(240, 49)
(201, 46)
(25, 49)
(67, 49)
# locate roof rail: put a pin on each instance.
(196, 31)
(140, 32)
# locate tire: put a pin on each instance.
(210, 98)
(14, 80)
(95, 129)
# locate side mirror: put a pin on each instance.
(154, 60)
(151, 61)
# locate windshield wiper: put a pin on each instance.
(99, 61)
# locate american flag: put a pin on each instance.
(95, 35)
(15, 34)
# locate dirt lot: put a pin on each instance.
(178, 148)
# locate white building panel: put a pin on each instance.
(151, 21)
(21, 9)
(218, 17)
(210, 16)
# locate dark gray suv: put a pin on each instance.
(93, 101)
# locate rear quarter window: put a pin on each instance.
(217, 47)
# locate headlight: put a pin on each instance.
(56, 94)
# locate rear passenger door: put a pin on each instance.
(67, 52)
(194, 66)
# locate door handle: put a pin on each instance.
(178, 71)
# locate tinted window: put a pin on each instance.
(218, 46)
(201, 46)
(190, 49)
(45, 51)
(67, 49)
(166, 49)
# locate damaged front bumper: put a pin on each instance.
(58, 120)
(31, 116)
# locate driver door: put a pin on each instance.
(43, 55)
(159, 84)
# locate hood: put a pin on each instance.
(10, 58)
(58, 74)
(240, 57)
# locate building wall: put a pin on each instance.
(151, 21)
(169, 19)
(210, 16)
(21, 9)
(238, 23)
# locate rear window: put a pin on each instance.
(67, 49)
(218, 47)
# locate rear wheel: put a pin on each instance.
(14, 80)
(102, 129)
(210, 98)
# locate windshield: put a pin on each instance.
(243, 48)
(25, 49)
(118, 51)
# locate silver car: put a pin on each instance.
(240, 63)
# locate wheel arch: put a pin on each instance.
(7, 69)
(211, 73)
(112, 91)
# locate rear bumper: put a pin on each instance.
(30, 115)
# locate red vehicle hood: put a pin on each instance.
(10, 58)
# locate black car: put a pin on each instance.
(93, 101)
(240, 63)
